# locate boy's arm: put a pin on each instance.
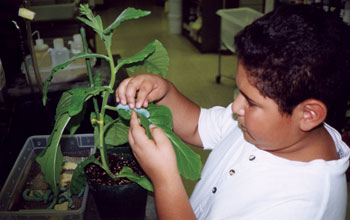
(157, 158)
(172, 201)
(148, 88)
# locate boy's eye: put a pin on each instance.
(251, 104)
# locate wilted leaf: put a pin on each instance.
(50, 159)
(64, 65)
(72, 101)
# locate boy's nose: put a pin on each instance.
(238, 105)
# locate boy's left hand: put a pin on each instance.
(156, 157)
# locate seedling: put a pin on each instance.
(109, 131)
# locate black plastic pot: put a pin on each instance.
(124, 202)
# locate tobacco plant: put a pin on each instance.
(109, 131)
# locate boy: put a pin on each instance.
(274, 157)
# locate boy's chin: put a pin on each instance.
(247, 137)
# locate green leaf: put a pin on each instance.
(97, 80)
(160, 115)
(127, 14)
(72, 101)
(86, 21)
(141, 180)
(145, 123)
(124, 113)
(188, 162)
(64, 65)
(76, 120)
(95, 126)
(50, 159)
(139, 57)
(108, 40)
(85, 10)
(79, 179)
(156, 62)
(117, 133)
(92, 21)
(63, 104)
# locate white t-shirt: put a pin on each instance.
(240, 181)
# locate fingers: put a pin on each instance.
(121, 90)
(143, 88)
(138, 138)
(159, 136)
(143, 95)
(156, 157)
(127, 90)
(137, 134)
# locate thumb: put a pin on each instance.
(159, 136)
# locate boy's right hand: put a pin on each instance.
(144, 88)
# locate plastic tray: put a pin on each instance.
(81, 145)
(233, 21)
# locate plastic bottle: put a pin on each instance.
(42, 53)
(346, 17)
(59, 53)
(76, 47)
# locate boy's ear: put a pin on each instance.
(314, 112)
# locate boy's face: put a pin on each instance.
(260, 119)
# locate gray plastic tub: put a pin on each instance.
(81, 145)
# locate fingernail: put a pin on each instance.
(138, 105)
(131, 105)
(152, 126)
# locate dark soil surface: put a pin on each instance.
(97, 175)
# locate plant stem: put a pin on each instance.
(88, 66)
(87, 60)
(105, 95)
(113, 108)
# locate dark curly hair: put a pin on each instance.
(295, 53)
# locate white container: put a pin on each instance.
(233, 21)
(42, 53)
(175, 24)
(76, 47)
(59, 53)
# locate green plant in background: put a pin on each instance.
(108, 131)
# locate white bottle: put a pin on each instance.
(76, 46)
(346, 17)
(59, 53)
(42, 53)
